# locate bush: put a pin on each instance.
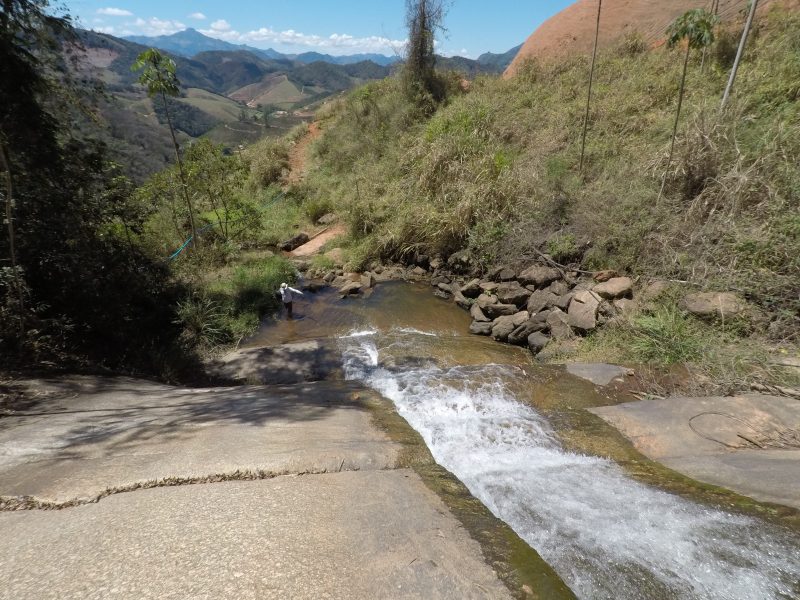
(667, 336)
(268, 160)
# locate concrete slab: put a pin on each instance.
(597, 373)
(289, 537)
(716, 439)
(95, 434)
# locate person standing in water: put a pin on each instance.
(287, 296)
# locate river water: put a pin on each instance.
(607, 535)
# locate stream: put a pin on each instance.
(607, 535)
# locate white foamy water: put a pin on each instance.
(607, 535)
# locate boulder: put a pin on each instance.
(539, 275)
(460, 262)
(329, 277)
(436, 263)
(558, 287)
(541, 299)
(512, 293)
(484, 300)
(500, 310)
(293, 242)
(713, 305)
(558, 322)
(327, 219)
(537, 341)
(480, 328)
(520, 335)
(624, 306)
(582, 312)
(423, 260)
(367, 280)
(459, 298)
(563, 301)
(439, 279)
(488, 286)
(502, 327)
(520, 317)
(339, 281)
(477, 314)
(653, 290)
(353, 287)
(501, 273)
(418, 271)
(616, 287)
(445, 287)
(472, 289)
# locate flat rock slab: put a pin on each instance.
(289, 537)
(311, 360)
(597, 373)
(704, 438)
(95, 434)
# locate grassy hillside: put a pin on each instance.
(495, 170)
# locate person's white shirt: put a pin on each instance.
(287, 293)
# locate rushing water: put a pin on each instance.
(607, 535)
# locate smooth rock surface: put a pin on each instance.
(597, 373)
(721, 305)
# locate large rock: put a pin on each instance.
(616, 287)
(472, 289)
(500, 310)
(293, 242)
(582, 312)
(502, 328)
(520, 335)
(439, 279)
(512, 293)
(488, 286)
(480, 328)
(711, 305)
(459, 298)
(460, 262)
(558, 287)
(539, 275)
(541, 299)
(436, 263)
(558, 321)
(502, 273)
(418, 271)
(477, 314)
(353, 287)
(537, 341)
(563, 301)
(367, 280)
(485, 300)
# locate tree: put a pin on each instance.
(739, 52)
(159, 78)
(696, 28)
(591, 79)
(424, 18)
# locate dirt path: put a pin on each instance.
(298, 155)
(315, 244)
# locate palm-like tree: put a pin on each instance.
(591, 80)
(159, 78)
(696, 28)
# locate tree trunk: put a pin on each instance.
(739, 52)
(591, 80)
(677, 118)
(181, 172)
(5, 163)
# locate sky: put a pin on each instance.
(330, 26)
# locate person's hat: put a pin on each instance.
(284, 286)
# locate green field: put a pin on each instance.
(217, 106)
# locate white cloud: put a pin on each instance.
(198, 16)
(114, 12)
(335, 43)
(106, 29)
(156, 26)
(220, 26)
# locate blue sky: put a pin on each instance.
(331, 26)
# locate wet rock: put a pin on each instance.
(441, 294)
(714, 305)
(502, 328)
(418, 271)
(541, 299)
(327, 219)
(472, 289)
(348, 289)
(293, 242)
(445, 287)
(367, 280)
(558, 321)
(582, 313)
(616, 287)
(512, 293)
(598, 373)
(460, 299)
(539, 275)
(481, 328)
(537, 341)
(477, 314)
(439, 279)
(500, 310)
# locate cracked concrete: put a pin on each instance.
(366, 529)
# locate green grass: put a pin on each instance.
(219, 107)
